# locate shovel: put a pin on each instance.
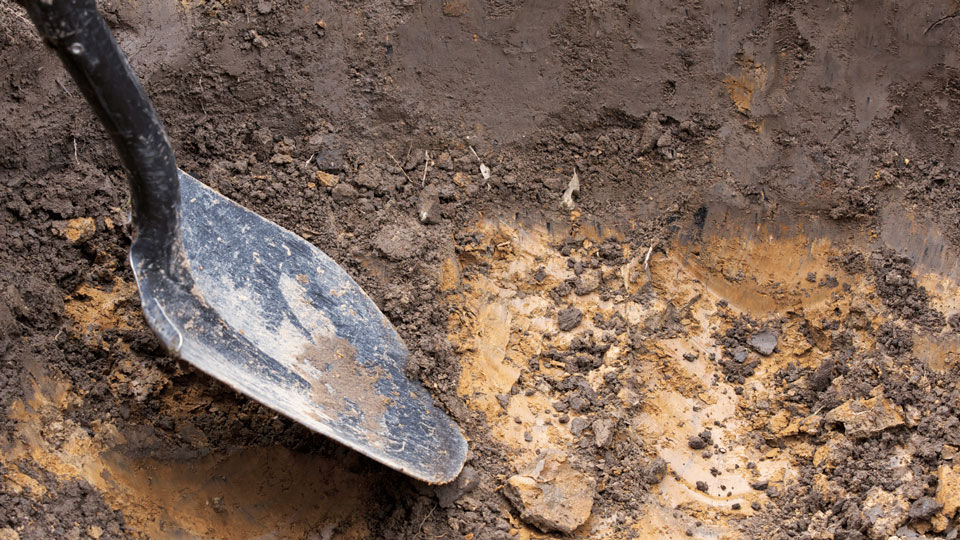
(243, 299)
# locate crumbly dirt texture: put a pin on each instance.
(742, 322)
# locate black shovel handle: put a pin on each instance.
(81, 38)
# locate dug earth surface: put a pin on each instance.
(742, 323)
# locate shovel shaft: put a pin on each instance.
(81, 38)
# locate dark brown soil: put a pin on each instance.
(346, 121)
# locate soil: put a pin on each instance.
(745, 326)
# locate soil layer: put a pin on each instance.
(740, 321)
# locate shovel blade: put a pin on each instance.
(273, 317)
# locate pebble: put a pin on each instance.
(763, 342)
(696, 442)
(603, 431)
(656, 471)
(429, 208)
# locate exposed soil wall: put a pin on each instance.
(749, 173)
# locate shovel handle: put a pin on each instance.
(75, 30)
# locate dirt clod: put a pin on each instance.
(569, 318)
(883, 513)
(864, 418)
(551, 495)
(948, 490)
(924, 508)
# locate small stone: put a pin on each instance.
(883, 513)
(702, 486)
(656, 471)
(217, 504)
(429, 208)
(572, 192)
(924, 508)
(552, 495)
(736, 506)
(326, 179)
(763, 342)
(603, 431)
(6, 533)
(740, 355)
(568, 319)
(329, 151)
(95, 532)
(863, 418)
(760, 485)
(264, 7)
(756, 506)
(696, 442)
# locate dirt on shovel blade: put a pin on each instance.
(742, 319)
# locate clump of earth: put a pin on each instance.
(676, 271)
